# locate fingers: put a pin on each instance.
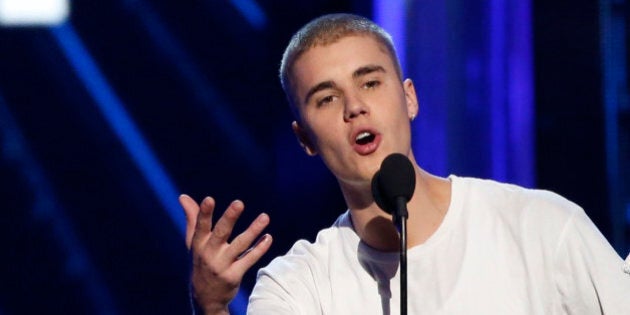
(201, 235)
(223, 228)
(249, 258)
(245, 239)
(219, 266)
(203, 226)
(191, 209)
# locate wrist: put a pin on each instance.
(206, 308)
(217, 309)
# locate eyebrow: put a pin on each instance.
(365, 70)
(362, 71)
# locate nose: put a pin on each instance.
(354, 107)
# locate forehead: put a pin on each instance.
(338, 60)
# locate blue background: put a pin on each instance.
(106, 119)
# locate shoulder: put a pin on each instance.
(527, 214)
(309, 256)
(514, 200)
(290, 282)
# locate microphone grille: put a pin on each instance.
(396, 178)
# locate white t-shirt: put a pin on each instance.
(501, 249)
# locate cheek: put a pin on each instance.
(327, 138)
(318, 134)
(324, 125)
(331, 144)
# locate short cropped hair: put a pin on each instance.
(326, 30)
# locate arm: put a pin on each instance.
(219, 266)
(592, 278)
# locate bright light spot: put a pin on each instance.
(33, 12)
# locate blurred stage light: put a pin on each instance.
(33, 12)
(252, 12)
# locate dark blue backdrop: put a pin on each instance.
(105, 119)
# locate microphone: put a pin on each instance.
(393, 185)
(392, 188)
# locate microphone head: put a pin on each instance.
(396, 178)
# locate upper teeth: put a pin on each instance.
(363, 135)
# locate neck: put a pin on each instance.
(427, 209)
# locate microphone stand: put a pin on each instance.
(400, 219)
(392, 187)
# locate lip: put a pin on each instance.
(368, 148)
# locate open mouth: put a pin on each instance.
(364, 138)
(366, 141)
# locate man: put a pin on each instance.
(475, 246)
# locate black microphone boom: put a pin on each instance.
(392, 188)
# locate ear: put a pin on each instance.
(411, 99)
(303, 139)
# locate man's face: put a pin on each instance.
(354, 109)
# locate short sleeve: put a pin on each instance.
(270, 297)
(287, 285)
(591, 278)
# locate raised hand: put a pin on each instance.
(219, 266)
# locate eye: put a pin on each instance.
(325, 100)
(371, 84)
